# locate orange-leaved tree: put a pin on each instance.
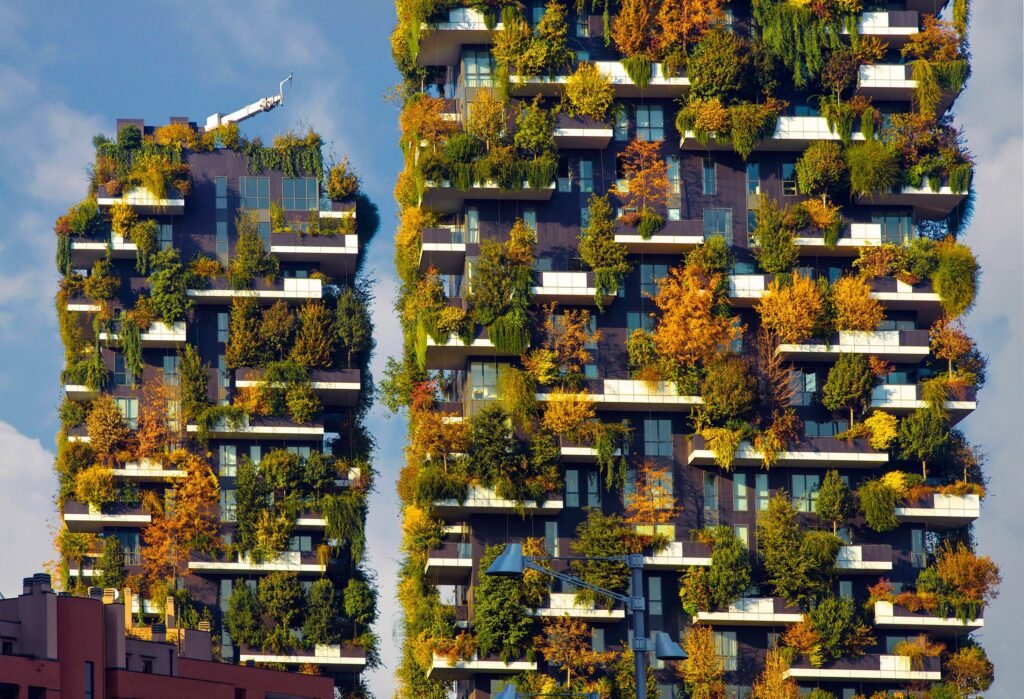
(683, 21)
(703, 671)
(689, 331)
(566, 644)
(653, 502)
(634, 30)
(190, 525)
(568, 335)
(855, 307)
(950, 341)
(647, 174)
(792, 313)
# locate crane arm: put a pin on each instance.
(263, 105)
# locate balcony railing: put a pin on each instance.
(336, 656)
(678, 555)
(81, 517)
(336, 255)
(940, 511)
(865, 558)
(581, 132)
(869, 668)
(753, 611)
(443, 248)
(334, 387)
(809, 452)
(673, 237)
(660, 85)
(291, 561)
(891, 345)
(264, 427)
(484, 500)
(292, 290)
(564, 603)
(893, 616)
(444, 669)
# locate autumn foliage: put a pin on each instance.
(689, 330)
(647, 173)
(792, 313)
(855, 308)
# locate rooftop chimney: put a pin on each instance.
(159, 632)
(40, 582)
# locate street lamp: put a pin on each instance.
(510, 693)
(511, 563)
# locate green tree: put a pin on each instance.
(502, 625)
(956, 277)
(601, 535)
(797, 564)
(276, 330)
(194, 380)
(878, 503)
(243, 348)
(600, 252)
(243, 618)
(352, 324)
(839, 628)
(111, 562)
(849, 384)
(775, 250)
(874, 167)
(360, 602)
(492, 447)
(729, 574)
(251, 258)
(728, 389)
(822, 169)
(251, 498)
(321, 623)
(535, 130)
(168, 287)
(314, 341)
(719, 67)
(281, 597)
(835, 503)
(922, 436)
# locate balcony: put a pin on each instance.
(575, 133)
(893, 82)
(674, 237)
(851, 240)
(144, 203)
(892, 345)
(893, 616)
(809, 452)
(660, 87)
(564, 603)
(633, 394)
(146, 470)
(76, 391)
(264, 427)
(443, 248)
(290, 561)
(453, 354)
(287, 289)
(927, 203)
(894, 27)
(482, 500)
(157, 335)
(450, 564)
(746, 289)
(335, 388)
(568, 288)
(449, 670)
(679, 555)
(792, 133)
(335, 255)
(753, 611)
(335, 656)
(85, 252)
(442, 197)
(869, 668)
(866, 558)
(942, 511)
(80, 517)
(441, 43)
(906, 398)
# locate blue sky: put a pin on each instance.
(67, 71)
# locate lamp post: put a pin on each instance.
(511, 563)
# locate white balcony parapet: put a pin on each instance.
(286, 560)
(886, 616)
(485, 500)
(146, 470)
(673, 557)
(567, 287)
(751, 611)
(158, 334)
(351, 246)
(879, 24)
(634, 394)
(322, 655)
(117, 245)
(905, 398)
(291, 290)
(862, 235)
(76, 391)
(224, 429)
(952, 510)
(890, 76)
(142, 200)
(791, 133)
(562, 603)
(885, 343)
(615, 72)
(747, 455)
(93, 520)
(851, 559)
(443, 668)
(892, 668)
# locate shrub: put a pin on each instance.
(855, 308)
(878, 503)
(303, 403)
(342, 180)
(589, 92)
(821, 170)
(321, 623)
(729, 390)
(835, 502)
(243, 616)
(874, 167)
(95, 485)
(729, 573)
(101, 284)
(599, 251)
(315, 337)
(168, 287)
(792, 313)
(723, 442)
(108, 432)
(840, 631)
(883, 429)
(111, 562)
(956, 277)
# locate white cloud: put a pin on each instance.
(27, 486)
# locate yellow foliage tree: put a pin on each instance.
(647, 174)
(653, 502)
(689, 331)
(883, 428)
(566, 412)
(773, 683)
(683, 21)
(703, 671)
(792, 313)
(566, 644)
(855, 308)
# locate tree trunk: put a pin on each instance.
(924, 469)
(851, 417)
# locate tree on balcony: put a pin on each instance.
(243, 617)
(792, 313)
(315, 338)
(566, 644)
(589, 92)
(95, 485)
(922, 436)
(849, 384)
(108, 432)
(798, 564)
(281, 598)
(251, 259)
(598, 536)
(703, 671)
(689, 330)
(501, 622)
(243, 347)
(352, 323)
(969, 671)
(772, 683)
(773, 240)
(647, 185)
(652, 502)
(835, 502)
(598, 249)
(853, 306)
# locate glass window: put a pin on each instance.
(593, 489)
(303, 543)
(637, 321)
(753, 178)
(739, 492)
(129, 408)
(742, 532)
(529, 218)
(710, 177)
(582, 25)
(265, 230)
(650, 122)
(718, 222)
(483, 380)
(763, 493)
(674, 176)
(586, 175)
(254, 192)
(227, 505)
(255, 454)
(655, 610)
(572, 488)
(227, 460)
(551, 538)
(710, 499)
(650, 277)
(846, 589)
(222, 327)
(584, 216)
(674, 213)
(301, 194)
(726, 648)
(752, 225)
(805, 492)
(166, 236)
(918, 554)
(621, 130)
(222, 242)
(657, 437)
(896, 228)
(477, 67)
(220, 187)
(121, 376)
(597, 640)
(789, 178)
(473, 225)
